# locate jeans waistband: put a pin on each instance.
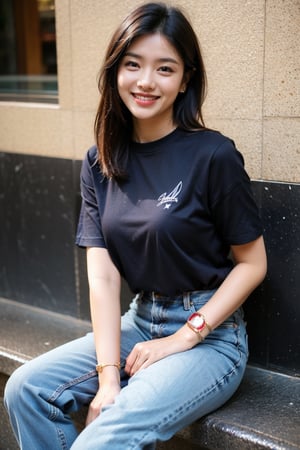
(185, 297)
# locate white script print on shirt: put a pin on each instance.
(168, 199)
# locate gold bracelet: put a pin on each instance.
(200, 337)
(208, 327)
(100, 367)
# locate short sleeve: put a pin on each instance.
(233, 207)
(89, 230)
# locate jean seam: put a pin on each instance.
(63, 387)
(62, 439)
(54, 412)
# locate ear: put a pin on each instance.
(185, 81)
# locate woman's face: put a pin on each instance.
(150, 76)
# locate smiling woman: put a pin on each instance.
(111, 136)
(167, 205)
(150, 77)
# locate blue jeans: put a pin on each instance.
(153, 404)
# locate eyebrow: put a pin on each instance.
(168, 59)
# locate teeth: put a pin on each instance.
(141, 97)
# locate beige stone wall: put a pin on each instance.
(252, 54)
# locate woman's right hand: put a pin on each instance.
(105, 396)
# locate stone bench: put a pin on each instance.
(263, 414)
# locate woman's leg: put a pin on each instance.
(156, 403)
(170, 394)
(40, 395)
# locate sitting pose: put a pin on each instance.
(166, 205)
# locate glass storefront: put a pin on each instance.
(28, 66)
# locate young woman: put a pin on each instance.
(165, 201)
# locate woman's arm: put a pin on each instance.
(104, 285)
(249, 271)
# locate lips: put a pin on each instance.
(145, 98)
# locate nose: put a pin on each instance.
(146, 82)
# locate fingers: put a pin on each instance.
(92, 414)
(146, 353)
(139, 358)
(104, 396)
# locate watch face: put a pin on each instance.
(197, 321)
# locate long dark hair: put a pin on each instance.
(113, 122)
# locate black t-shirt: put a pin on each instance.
(169, 227)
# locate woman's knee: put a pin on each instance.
(14, 387)
(22, 383)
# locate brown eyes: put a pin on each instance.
(136, 65)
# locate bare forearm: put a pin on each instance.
(105, 286)
(105, 314)
(239, 284)
(248, 273)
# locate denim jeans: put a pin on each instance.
(153, 404)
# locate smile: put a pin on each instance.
(145, 98)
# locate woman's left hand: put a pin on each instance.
(146, 353)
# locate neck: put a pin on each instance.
(147, 132)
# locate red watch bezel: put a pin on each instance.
(200, 327)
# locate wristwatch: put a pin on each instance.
(197, 323)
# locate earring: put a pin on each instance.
(182, 91)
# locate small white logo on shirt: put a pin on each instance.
(168, 199)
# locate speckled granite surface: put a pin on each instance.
(26, 332)
(263, 414)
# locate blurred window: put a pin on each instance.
(28, 67)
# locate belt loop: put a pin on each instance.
(186, 301)
(153, 296)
